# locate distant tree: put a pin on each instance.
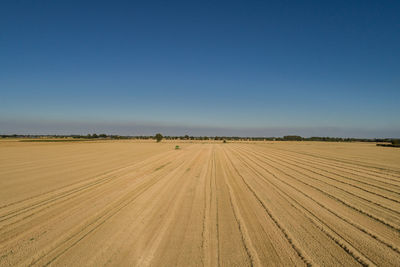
(292, 138)
(102, 135)
(186, 137)
(95, 135)
(159, 137)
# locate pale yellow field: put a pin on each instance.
(127, 203)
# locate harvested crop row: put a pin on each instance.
(207, 204)
(283, 179)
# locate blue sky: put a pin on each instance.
(258, 68)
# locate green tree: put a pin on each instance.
(292, 138)
(159, 137)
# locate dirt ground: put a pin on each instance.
(129, 203)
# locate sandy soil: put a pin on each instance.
(124, 203)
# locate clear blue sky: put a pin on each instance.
(258, 68)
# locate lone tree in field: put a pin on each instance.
(159, 137)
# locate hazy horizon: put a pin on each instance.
(232, 68)
(149, 129)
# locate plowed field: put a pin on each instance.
(207, 204)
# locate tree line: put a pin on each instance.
(159, 137)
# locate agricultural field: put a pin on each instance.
(136, 203)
